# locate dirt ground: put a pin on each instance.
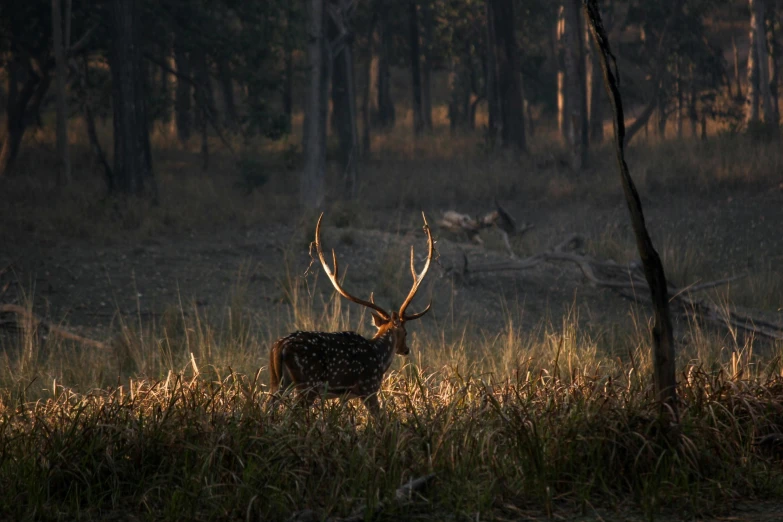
(86, 285)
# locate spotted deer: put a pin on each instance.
(345, 364)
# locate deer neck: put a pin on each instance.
(384, 344)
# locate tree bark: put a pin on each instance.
(288, 77)
(132, 155)
(311, 190)
(510, 87)
(664, 368)
(736, 68)
(413, 43)
(61, 68)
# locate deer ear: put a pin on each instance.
(377, 320)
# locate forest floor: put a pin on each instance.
(701, 238)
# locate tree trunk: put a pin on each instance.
(288, 76)
(344, 111)
(563, 121)
(693, 116)
(575, 84)
(595, 92)
(368, 85)
(426, 65)
(737, 81)
(386, 111)
(491, 73)
(762, 59)
(752, 99)
(413, 42)
(183, 116)
(774, 57)
(230, 117)
(510, 88)
(16, 107)
(679, 97)
(63, 150)
(132, 156)
(311, 191)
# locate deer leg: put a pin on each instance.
(373, 405)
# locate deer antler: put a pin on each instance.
(333, 277)
(417, 278)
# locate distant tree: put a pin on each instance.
(508, 74)
(132, 155)
(415, 66)
(60, 46)
(575, 119)
(311, 192)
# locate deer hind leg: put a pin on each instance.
(373, 405)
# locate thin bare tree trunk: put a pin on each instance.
(664, 364)
(61, 68)
(311, 190)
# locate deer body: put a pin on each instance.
(344, 364)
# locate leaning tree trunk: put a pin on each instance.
(63, 150)
(132, 157)
(563, 121)
(413, 42)
(509, 80)
(663, 338)
(311, 190)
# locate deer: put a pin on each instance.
(345, 364)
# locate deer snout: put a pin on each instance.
(404, 349)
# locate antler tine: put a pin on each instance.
(417, 278)
(333, 276)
